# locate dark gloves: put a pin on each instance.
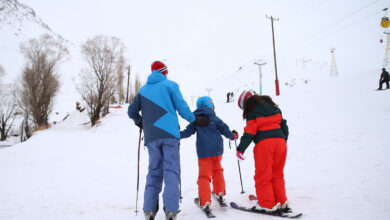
(140, 125)
(235, 135)
(202, 121)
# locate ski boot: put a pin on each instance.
(170, 215)
(206, 207)
(263, 209)
(220, 198)
(285, 208)
(149, 215)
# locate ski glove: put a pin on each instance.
(240, 156)
(235, 135)
(140, 125)
(202, 121)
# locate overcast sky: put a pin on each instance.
(207, 36)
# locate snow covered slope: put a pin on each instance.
(18, 23)
(337, 165)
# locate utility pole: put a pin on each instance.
(273, 41)
(260, 63)
(128, 84)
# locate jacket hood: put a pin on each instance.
(204, 110)
(266, 109)
(155, 77)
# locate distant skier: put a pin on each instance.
(385, 78)
(158, 101)
(209, 148)
(228, 97)
(268, 130)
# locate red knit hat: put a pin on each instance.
(160, 66)
(246, 94)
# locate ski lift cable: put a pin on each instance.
(337, 31)
(289, 10)
(362, 38)
(327, 26)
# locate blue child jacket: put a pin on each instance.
(158, 101)
(209, 142)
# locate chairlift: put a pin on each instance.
(385, 22)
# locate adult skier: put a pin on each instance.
(158, 102)
(268, 130)
(385, 78)
(209, 148)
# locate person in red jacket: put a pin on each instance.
(266, 127)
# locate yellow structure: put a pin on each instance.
(385, 23)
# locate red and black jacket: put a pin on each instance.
(265, 121)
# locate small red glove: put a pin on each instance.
(240, 156)
(235, 137)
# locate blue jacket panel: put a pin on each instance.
(209, 141)
(158, 102)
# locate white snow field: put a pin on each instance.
(337, 166)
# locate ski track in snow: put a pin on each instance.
(337, 164)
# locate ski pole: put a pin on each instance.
(230, 147)
(181, 197)
(239, 170)
(139, 147)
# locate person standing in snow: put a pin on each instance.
(158, 102)
(385, 78)
(266, 127)
(228, 97)
(209, 148)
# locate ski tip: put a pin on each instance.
(233, 205)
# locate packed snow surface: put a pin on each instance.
(337, 165)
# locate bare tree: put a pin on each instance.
(1, 75)
(7, 116)
(99, 80)
(1, 70)
(120, 77)
(39, 81)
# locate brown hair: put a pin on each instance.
(251, 102)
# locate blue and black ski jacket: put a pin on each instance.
(158, 102)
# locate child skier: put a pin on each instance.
(268, 130)
(209, 148)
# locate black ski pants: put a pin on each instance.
(383, 81)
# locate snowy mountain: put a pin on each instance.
(337, 164)
(18, 23)
(18, 16)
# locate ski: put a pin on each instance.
(220, 201)
(208, 212)
(277, 213)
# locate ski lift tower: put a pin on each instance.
(333, 67)
(385, 23)
(209, 90)
(386, 60)
(260, 63)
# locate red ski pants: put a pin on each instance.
(270, 158)
(210, 169)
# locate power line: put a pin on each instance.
(336, 31)
(327, 26)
